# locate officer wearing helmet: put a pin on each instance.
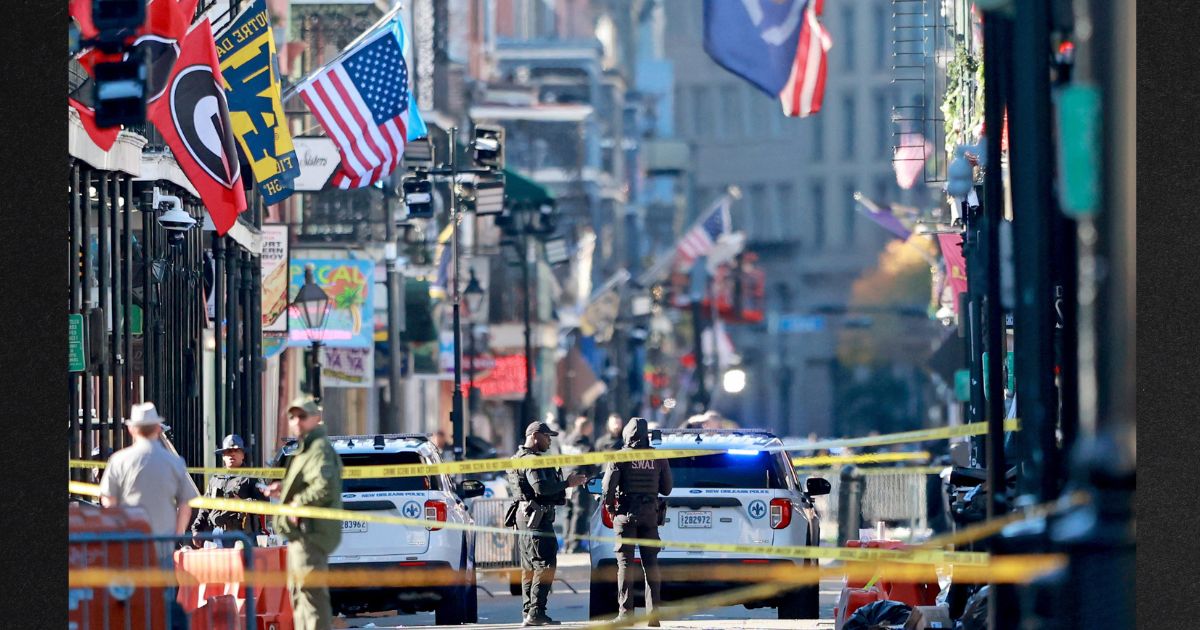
(631, 494)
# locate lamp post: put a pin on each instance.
(488, 154)
(475, 294)
(311, 305)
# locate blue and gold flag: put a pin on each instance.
(250, 71)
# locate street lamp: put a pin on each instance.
(734, 380)
(475, 294)
(311, 305)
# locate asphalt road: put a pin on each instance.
(569, 604)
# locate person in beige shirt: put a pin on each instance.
(148, 476)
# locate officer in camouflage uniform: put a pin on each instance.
(230, 486)
(313, 479)
(631, 491)
(539, 490)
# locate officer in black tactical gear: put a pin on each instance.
(631, 494)
(539, 491)
(231, 486)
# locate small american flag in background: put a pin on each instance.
(699, 241)
(364, 103)
(805, 88)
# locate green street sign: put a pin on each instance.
(1079, 149)
(962, 385)
(1012, 374)
(135, 319)
(76, 344)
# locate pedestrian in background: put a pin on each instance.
(579, 501)
(146, 475)
(539, 491)
(611, 440)
(630, 492)
(231, 485)
(313, 479)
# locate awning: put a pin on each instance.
(519, 189)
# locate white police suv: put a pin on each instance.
(748, 494)
(376, 546)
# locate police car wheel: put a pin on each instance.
(602, 598)
(802, 603)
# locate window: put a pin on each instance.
(785, 217)
(818, 214)
(758, 222)
(818, 139)
(733, 117)
(848, 32)
(702, 110)
(849, 125)
(760, 471)
(387, 484)
(683, 113)
(883, 44)
(850, 217)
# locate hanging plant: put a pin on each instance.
(962, 106)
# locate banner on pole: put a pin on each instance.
(250, 71)
(274, 261)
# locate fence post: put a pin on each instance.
(849, 504)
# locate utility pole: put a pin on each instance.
(996, 29)
(1032, 161)
(527, 405)
(456, 412)
(395, 295)
(698, 284)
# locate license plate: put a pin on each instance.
(353, 526)
(696, 520)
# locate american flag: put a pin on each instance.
(699, 241)
(805, 88)
(363, 101)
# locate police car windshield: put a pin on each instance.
(389, 484)
(728, 470)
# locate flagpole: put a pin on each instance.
(732, 193)
(292, 91)
(869, 204)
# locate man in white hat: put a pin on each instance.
(146, 475)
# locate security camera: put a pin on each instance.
(173, 219)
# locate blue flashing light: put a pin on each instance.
(738, 451)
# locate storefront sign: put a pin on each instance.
(347, 367)
(76, 344)
(506, 380)
(274, 277)
(318, 160)
(349, 284)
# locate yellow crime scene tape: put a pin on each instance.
(905, 437)
(865, 458)
(588, 459)
(457, 468)
(85, 489)
(1000, 569)
(921, 554)
(794, 552)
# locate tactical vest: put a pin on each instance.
(639, 477)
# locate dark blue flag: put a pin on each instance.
(754, 39)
